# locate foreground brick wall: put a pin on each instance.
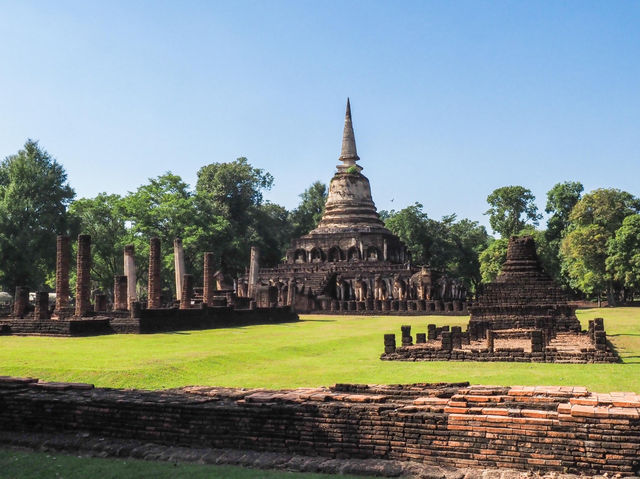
(546, 428)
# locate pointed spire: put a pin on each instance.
(349, 154)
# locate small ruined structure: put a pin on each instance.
(350, 263)
(216, 308)
(522, 316)
(523, 295)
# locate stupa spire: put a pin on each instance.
(349, 153)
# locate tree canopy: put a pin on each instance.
(511, 208)
(34, 196)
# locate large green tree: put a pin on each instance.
(411, 225)
(469, 239)
(623, 261)
(309, 212)
(34, 196)
(560, 201)
(511, 208)
(234, 192)
(592, 223)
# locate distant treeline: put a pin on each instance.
(591, 244)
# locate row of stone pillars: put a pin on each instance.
(124, 285)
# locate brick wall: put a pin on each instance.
(545, 428)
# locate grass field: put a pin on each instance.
(38, 465)
(319, 350)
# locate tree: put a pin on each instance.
(584, 252)
(510, 209)
(233, 191)
(560, 201)
(34, 196)
(309, 212)
(234, 188)
(411, 225)
(272, 233)
(623, 261)
(104, 218)
(606, 207)
(593, 221)
(469, 240)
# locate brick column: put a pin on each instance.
(83, 276)
(130, 272)
(63, 257)
(21, 301)
(187, 291)
(208, 280)
(120, 293)
(155, 283)
(42, 305)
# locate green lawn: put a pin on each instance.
(319, 350)
(38, 465)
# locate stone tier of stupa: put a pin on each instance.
(524, 295)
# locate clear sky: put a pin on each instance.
(450, 99)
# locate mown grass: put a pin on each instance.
(38, 465)
(319, 350)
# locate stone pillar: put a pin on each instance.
(447, 343)
(100, 302)
(431, 332)
(490, 345)
(291, 293)
(130, 272)
(254, 265)
(178, 259)
(407, 340)
(187, 291)
(42, 305)
(21, 301)
(389, 343)
(63, 257)
(456, 337)
(421, 338)
(135, 308)
(154, 284)
(208, 280)
(120, 293)
(537, 341)
(83, 276)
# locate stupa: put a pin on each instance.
(351, 262)
(523, 295)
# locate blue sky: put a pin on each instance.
(450, 99)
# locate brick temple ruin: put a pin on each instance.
(523, 316)
(350, 263)
(217, 306)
